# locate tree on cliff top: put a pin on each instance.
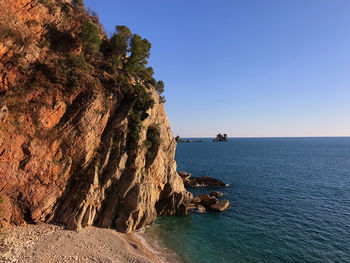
(124, 31)
(140, 52)
(160, 87)
(78, 2)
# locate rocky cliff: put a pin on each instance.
(68, 150)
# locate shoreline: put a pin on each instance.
(52, 243)
(161, 251)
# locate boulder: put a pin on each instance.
(207, 200)
(191, 206)
(200, 208)
(196, 200)
(220, 206)
(184, 175)
(216, 194)
(211, 181)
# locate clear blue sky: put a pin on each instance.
(246, 67)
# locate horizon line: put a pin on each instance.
(242, 137)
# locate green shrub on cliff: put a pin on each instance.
(152, 143)
(90, 36)
(134, 127)
(71, 67)
(153, 135)
(143, 99)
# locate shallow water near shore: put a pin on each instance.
(289, 202)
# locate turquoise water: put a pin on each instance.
(289, 202)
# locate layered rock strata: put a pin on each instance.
(64, 155)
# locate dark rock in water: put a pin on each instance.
(207, 200)
(211, 181)
(221, 138)
(220, 206)
(202, 181)
(178, 139)
(196, 200)
(192, 206)
(216, 194)
(183, 209)
(184, 175)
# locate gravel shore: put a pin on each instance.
(50, 243)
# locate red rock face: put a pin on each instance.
(63, 154)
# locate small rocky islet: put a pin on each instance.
(219, 138)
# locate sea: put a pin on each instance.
(289, 202)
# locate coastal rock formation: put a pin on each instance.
(184, 175)
(201, 181)
(75, 143)
(207, 200)
(210, 202)
(200, 208)
(216, 194)
(221, 138)
(220, 206)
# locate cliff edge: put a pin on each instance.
(84, 137)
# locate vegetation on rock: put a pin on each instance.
(152, 143)
(90, 36)
(78, 103)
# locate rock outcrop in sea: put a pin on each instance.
(79, 145)
(221, 138)
(190, 181)
(210, 201)
(179, 139)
